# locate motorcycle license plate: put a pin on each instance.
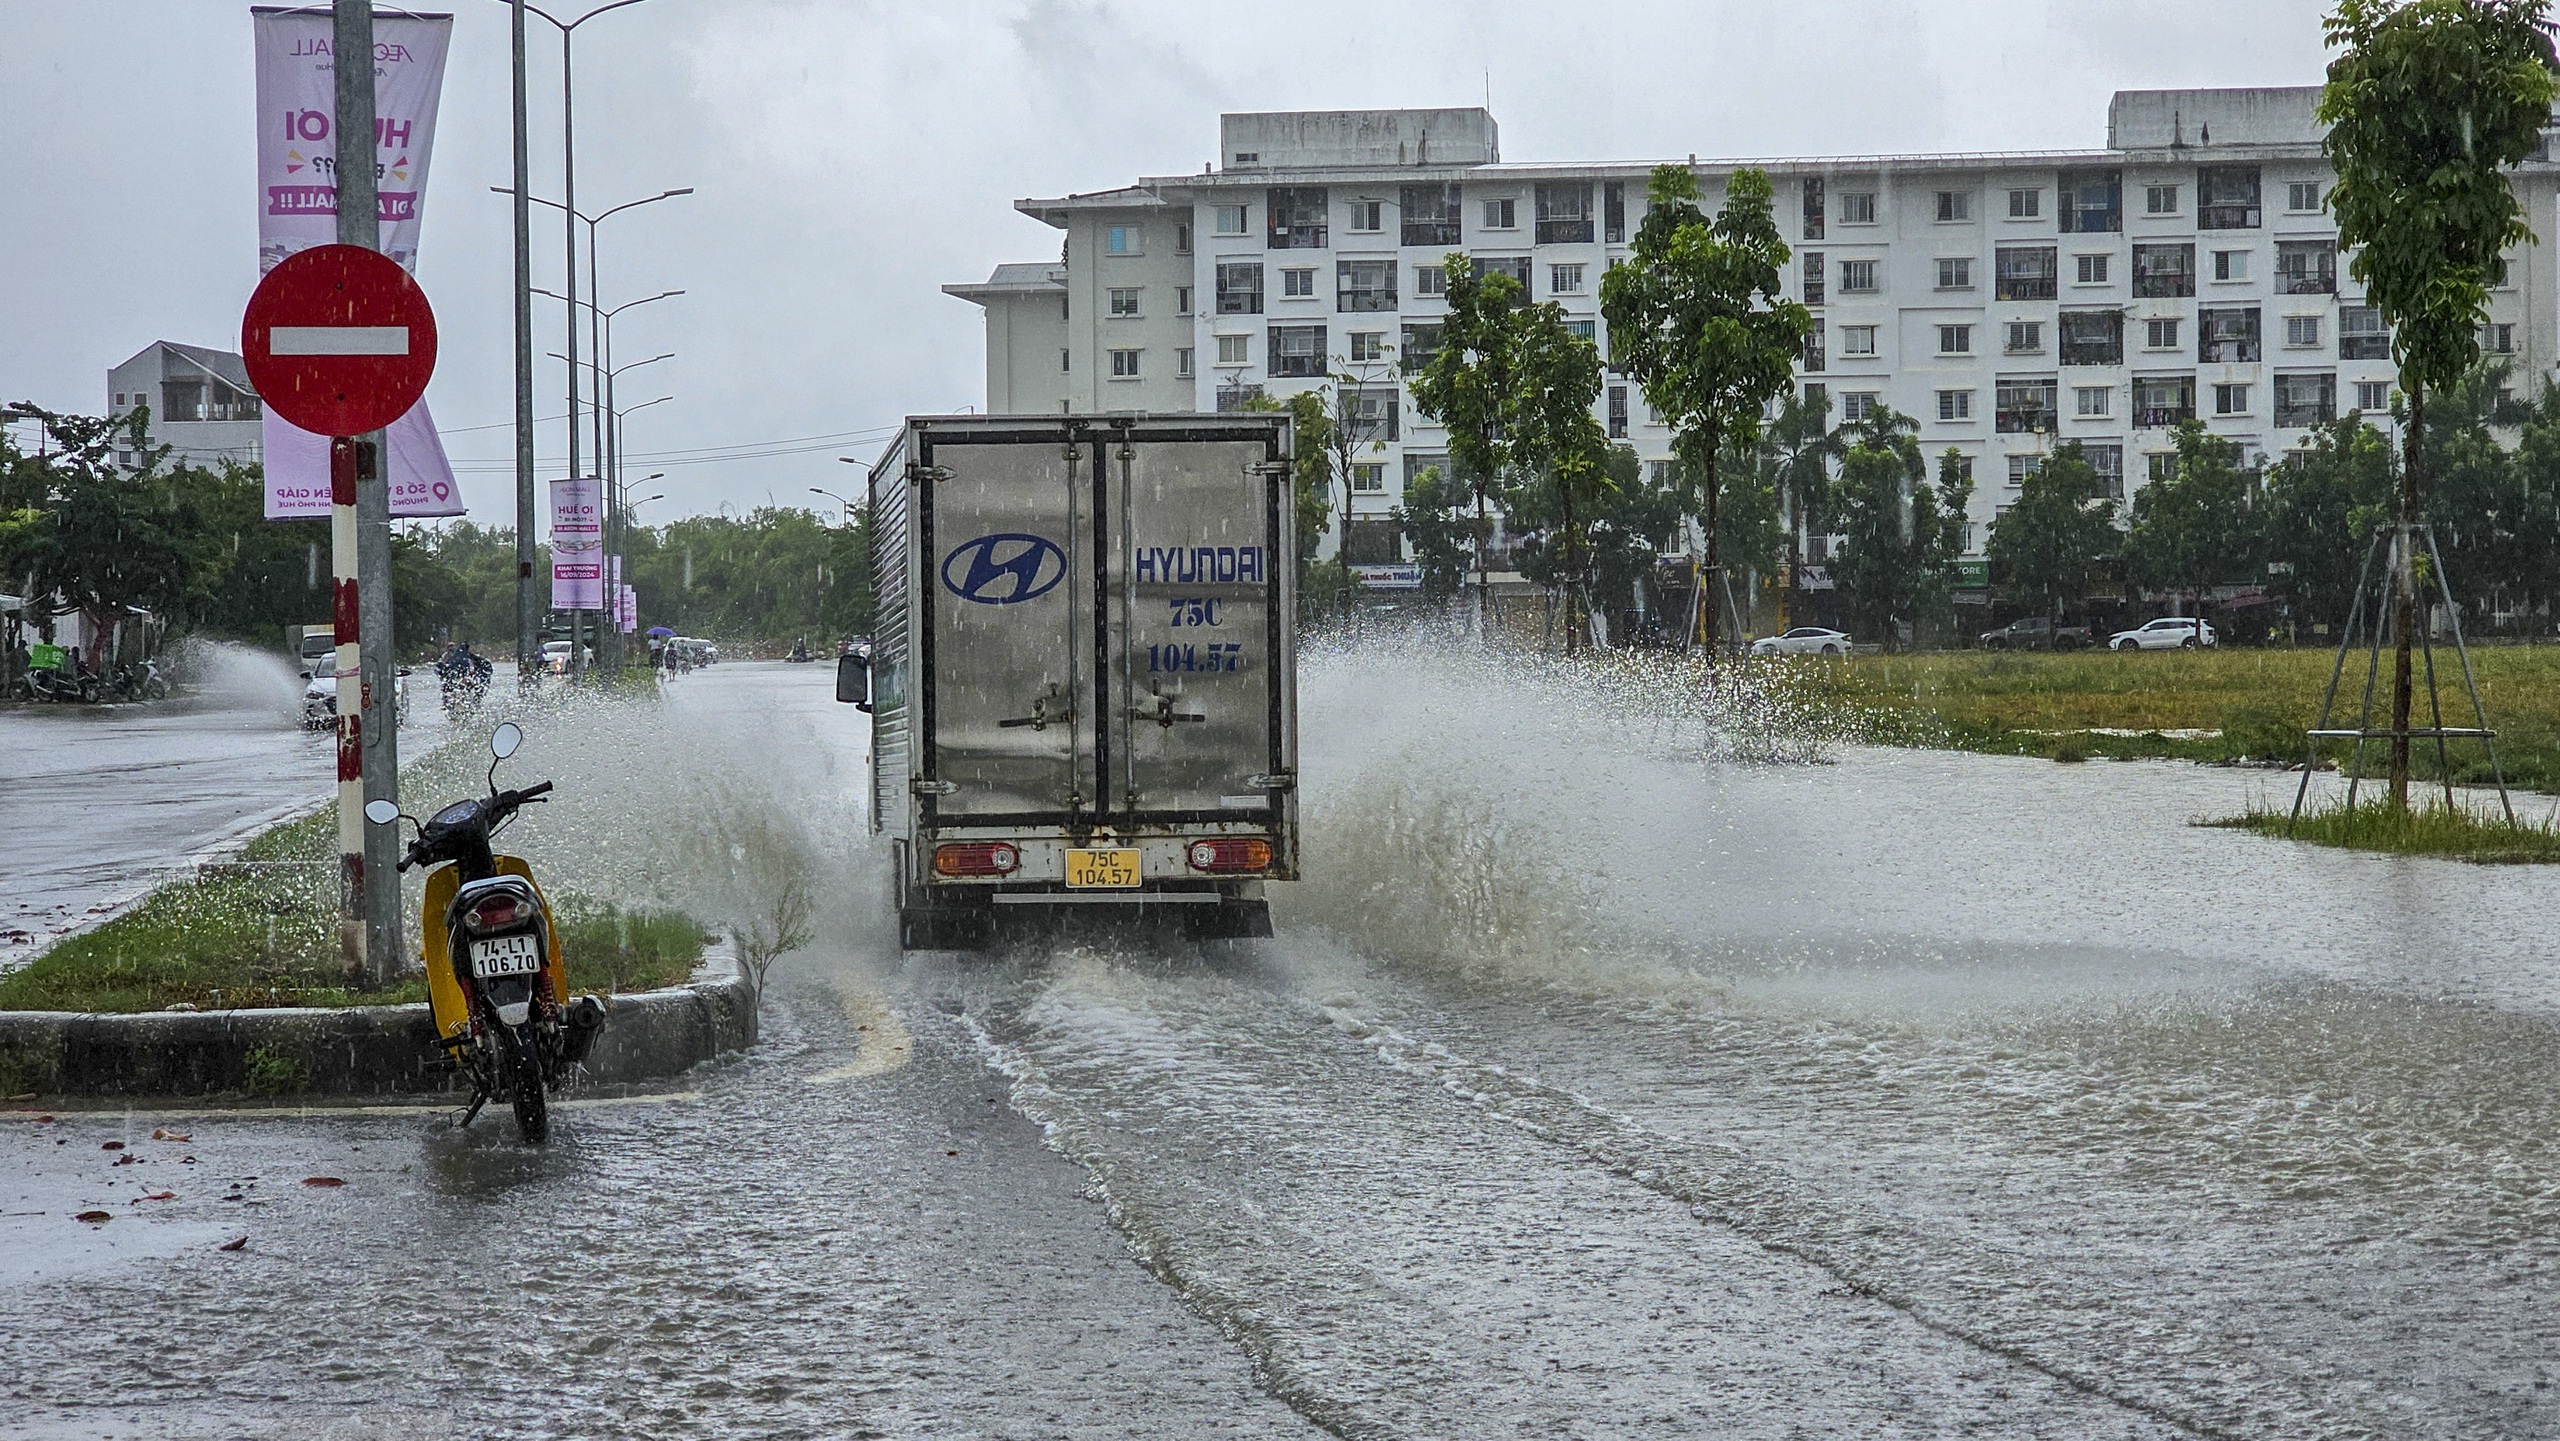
(505, 956)
(1102, 870)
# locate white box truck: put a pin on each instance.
(1082, 676)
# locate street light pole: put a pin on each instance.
(844, 519)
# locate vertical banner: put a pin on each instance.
(298, 208)
(577, 544)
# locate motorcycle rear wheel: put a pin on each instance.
(533, 1109)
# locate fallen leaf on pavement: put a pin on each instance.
(95, 1218)
(322, 1181)
(112, 1146)
(153, 1196)
(165, 1134)
(240, 1244)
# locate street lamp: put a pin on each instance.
(838, 499)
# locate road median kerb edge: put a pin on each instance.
(350, 1050)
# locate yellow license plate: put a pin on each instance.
(1107, 870)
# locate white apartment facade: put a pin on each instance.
(199, 399)
(2010, 302)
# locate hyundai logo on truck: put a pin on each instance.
(1003, 569)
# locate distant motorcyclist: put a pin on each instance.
(465, 676)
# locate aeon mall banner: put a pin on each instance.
(298, 208)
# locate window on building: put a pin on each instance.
(1367, 345)
(1297, 217)
(1857, 340)
(1428, 214)
(2023, 468)
(1240, 288)
(1124, 300)
(1066, 360)
(1065, 308)
(1564, 280)
(2227, 197)
(2159, 200)
(2026, 405)
(2026, 337)
(1502, 214)
(2107, 459)
(1431, 280)
(1124, 365)
(2302, 195)
(1857, 207)
(2025, 204)
(2091, 337)
(1182, 300)
(1857, 277)
(1564, 212)
(1295, 351)
(1368, 477)
(2162, 272)
(1955, 205)
(2159, 465)
(2231, 399)
(1231, 219)
(1182, 237)
(2361, 334)
(2306, 267)
(1813, 359)
(2228, 337)
(1955, 340)
(1583, 329)
(1368, 217)
(1182, 361)
(2498, 339)
(1857, 405)
(1812, 272)
(1814, 209)
(2092, 269)
(1613, 211)
(2160, 334)
(2304, 400)
(1515, 266)
(2163, 400)
(1235, 350)
(2025, 272)
(2301, 331)
(1617, 412)
(1955, 405)
(2373, 395)
(2089, 202)
(2231, 265)
(2093, 401)
(1364, 285)
(1955, 272)
(1124, 240)
(1421, 340)
(1297, 284)
(1236, 395)
(1368, 414)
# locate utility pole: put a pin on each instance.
(528, 642)
(578, 624)
(360, 533)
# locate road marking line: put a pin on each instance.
(884, 1040)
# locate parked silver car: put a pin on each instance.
(2169, 632)
(1803, 640)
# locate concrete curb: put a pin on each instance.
(349, 1051)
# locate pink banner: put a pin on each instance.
(577, 544)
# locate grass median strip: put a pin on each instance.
(2427, 830)
(262, 931)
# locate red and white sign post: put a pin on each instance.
(340, 341)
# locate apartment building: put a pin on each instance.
(2011, 302)
(199, 399)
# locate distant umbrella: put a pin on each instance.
(660, 631)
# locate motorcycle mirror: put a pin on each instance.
(381, 813)
(505, 739)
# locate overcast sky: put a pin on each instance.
(850, 157)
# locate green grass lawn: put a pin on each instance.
(2427, 830)
(263, 932)
(2257, 702)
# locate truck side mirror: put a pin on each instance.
(853, 681)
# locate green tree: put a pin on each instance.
(1323, 586)
(1441, 536)
(1558, 449)
(95, 536)
(1469, 382)
(1900, 536)
(2048, 540)
(2322, 505)
(2430, 106)
(2198, 525)
(1695, 315)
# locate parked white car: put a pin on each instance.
(1803, 640)
(2169, 632)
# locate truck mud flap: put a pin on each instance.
(1233, 921)
(930, 928)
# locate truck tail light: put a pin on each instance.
(496, 913)
(976, 858)
(1238, 853)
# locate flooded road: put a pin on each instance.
(1593, 1088)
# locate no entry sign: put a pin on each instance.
(339, 340)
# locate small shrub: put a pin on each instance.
(273, 1073)
(2261, 733)
(2072, 749)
